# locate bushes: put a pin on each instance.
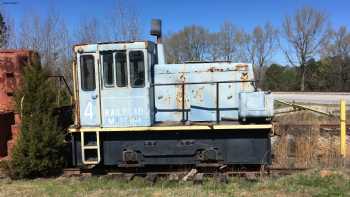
(39, 147)
(280, 78)
(322, 75)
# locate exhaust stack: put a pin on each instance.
(156, 30)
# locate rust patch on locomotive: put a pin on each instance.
(242, 67)
(180, 92)
(213, 69)
(198, 94)
(244, 77)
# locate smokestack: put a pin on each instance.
(156, 30)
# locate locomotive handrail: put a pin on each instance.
(204, 82)
(183, 84)
(61, 77)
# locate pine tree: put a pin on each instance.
(38, 150)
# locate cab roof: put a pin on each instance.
(113, 45)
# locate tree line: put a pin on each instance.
(50, 35)
(316, 55)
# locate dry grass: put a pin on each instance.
(306, 147)
(311, 183)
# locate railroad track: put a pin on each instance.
(195, 175)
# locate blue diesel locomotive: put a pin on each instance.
(134, 110)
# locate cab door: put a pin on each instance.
(125, 89)
(88, 89)
(139, 91)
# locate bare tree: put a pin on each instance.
(304, 32)
(172, 49)
(338, 43)
(337, 51)
(242, 54)
(228, 45)
(48, 36)
(189, 44)
(29, 32)
(12, 34)
(260, 45)
(88, 31)
(125, 22)
(196, 43)
(214, 49)
(66, 55)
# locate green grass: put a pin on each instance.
(303, 184)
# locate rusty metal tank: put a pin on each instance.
(12, 63)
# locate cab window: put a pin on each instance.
(108, 73)
(87, 72)
(137, 69)
(121, 69)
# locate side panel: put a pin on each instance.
(168, 98)
(121, 149)
(194, 148)
(201, 92)
(203, 97)
(126, 110)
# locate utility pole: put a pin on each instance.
(343, 129)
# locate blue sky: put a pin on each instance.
(179, 13)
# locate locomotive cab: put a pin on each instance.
(114, 83)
